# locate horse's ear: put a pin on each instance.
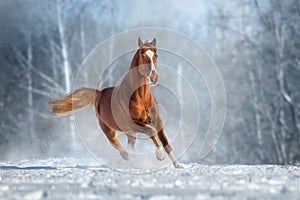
(153, 43)
(140, 43)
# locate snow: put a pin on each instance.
(78, 178)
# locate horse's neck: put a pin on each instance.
(134, 84)
(144, 92)
(143, 96)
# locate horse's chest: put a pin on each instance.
(142, 112)
(144, 117)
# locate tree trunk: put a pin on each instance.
(64, 50)
(29, 85)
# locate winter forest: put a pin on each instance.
(254, 43)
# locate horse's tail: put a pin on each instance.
(78, 99)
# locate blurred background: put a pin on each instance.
(255, 44)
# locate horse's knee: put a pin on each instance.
(150, 131)
(141, 127)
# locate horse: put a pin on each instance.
(129, 107)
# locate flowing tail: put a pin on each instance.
(78, 99)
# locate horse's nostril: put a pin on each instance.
(153, 80)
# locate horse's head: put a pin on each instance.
(146, 60)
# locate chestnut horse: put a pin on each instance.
(129, 107)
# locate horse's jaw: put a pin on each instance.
(152, 84)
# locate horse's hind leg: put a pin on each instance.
(114, 140)
(131, 139)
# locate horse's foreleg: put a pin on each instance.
(114, 140)
(151, 132)
(164, 140)
(131, 139)
(162, 136)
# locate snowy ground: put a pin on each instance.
(85, 179)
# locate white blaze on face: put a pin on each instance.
(150, 54)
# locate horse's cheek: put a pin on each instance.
(143, 70)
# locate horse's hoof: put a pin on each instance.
(124, 155)
(160, 153)
(178, 165)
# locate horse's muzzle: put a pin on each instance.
(153, 78)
